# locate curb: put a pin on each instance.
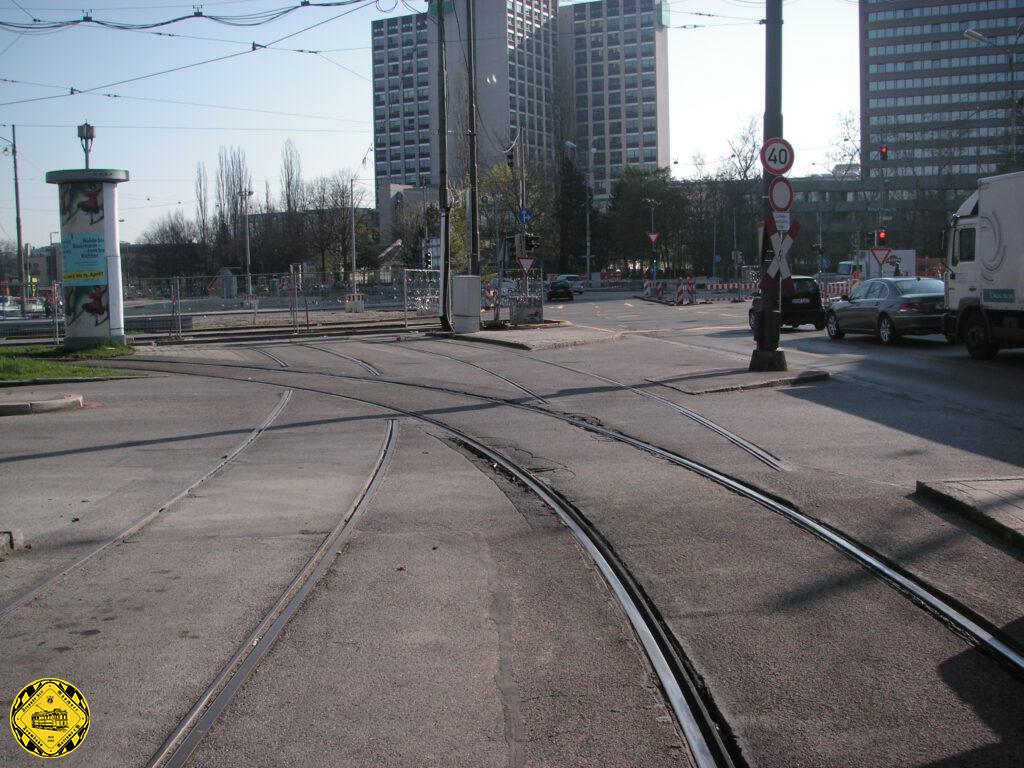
(66, 403)
(76, 380)
(933, 492)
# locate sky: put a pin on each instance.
(313, 86)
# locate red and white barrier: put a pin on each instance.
(647, 287)
(680, 291)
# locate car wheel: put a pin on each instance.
(819, 325)
(887, 331)
(832, 326)
(978, 340)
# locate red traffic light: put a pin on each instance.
(883, 152)
(882, 235)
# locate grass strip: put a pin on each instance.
(53, 362)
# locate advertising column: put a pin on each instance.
(90, 243)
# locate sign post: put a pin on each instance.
(777, 159)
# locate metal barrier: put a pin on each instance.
(421, 293)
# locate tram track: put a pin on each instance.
(740, 442)
(26, 594)
(361, 363)
(187, 735)
(956, 616)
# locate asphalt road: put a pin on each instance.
(461, 623)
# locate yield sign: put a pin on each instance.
(653, 237)
(526, 262)
(881, 254)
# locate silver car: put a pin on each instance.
(889, 307)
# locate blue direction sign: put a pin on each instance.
(525, 217)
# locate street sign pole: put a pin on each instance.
(767, 356)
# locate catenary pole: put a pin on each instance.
(22, 266)
(474, 190)
(442, 174)
(767, 356)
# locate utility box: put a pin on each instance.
(524, 310)
(466, 303)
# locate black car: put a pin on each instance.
(889, 307)
(560, 289)
(803, 307)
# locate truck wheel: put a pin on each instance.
(976, 336)
(887, 331)
(832, 326)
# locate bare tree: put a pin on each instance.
(292, 194)
(171, 245)
(232, 177)
(744, 148)
(327, 218)
(202, 214)
(844, 154)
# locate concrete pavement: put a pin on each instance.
(502, 646)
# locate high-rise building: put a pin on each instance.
(616, 63)
(534, 62)
(516, 70)
(937, 101)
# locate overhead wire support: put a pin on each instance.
(443, 205)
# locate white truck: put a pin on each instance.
(984, 250)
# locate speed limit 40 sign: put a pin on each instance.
(777, 156)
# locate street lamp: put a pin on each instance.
(245, 194)
(87, 135)
(590, 167)
(977, 37)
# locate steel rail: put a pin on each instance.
(495, 374)
(756, 451)
(32, 590)
(361, 363)
(281, 363)
(966, 622)
(183, 740)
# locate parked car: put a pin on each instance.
(508, 286)
(560, 289)
(889, 307)
(574, 281)
(8, 308)
(803, 307)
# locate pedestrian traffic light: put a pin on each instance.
(883, 152)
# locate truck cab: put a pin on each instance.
(961, 242)
(984, 256)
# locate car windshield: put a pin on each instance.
(805, 285)
(919, 285)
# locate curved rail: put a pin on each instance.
(488, 371)
(742, 443)
(361, 363)
(281, 363)
(182, 742)
(32, 590)
(966, 622)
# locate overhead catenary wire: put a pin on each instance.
(353, 5)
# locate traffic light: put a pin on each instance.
(530, 242)
(883, 152)
(510, 157)
(881, 238)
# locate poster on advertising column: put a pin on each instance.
(83, 244)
